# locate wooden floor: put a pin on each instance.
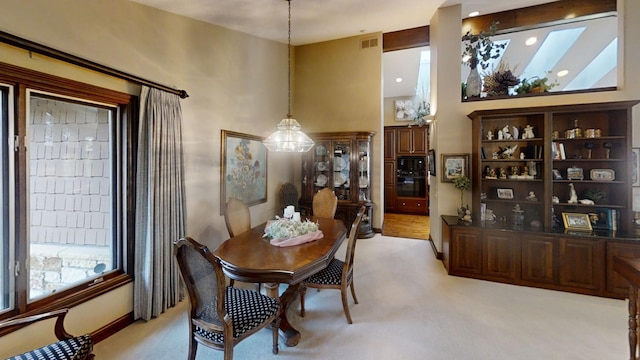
(407, 226)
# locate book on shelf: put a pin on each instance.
(606, 219)
(563, 155)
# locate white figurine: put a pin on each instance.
(528, 132)
(505, 133)
(573, 197)
(489, 135)
(500, 135)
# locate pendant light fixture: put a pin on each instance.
(288, 136)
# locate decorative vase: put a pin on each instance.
(474, 83)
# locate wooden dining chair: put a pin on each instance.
(220, 316)
(325, 203)
(338, 274)
(68, 347)
(237, 217)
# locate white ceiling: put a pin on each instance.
(321, 20)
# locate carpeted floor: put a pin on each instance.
(406, 226)
(409, 308)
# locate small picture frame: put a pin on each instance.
(635, 167)
(556, 174)
(575, 173)
(454, 166)
(432, 162)
(505, 194)
(576, 221)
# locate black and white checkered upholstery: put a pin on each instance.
(331, 275)
(247, 309)
(76, 348)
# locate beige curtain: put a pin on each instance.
(160, 203)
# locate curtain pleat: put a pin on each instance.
(160, 203)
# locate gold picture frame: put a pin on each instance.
(243, 169)
(576, 221)
(454, 166)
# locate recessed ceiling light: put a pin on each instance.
(530, 41)
(562, 73)
(474, 13)
(398, 79)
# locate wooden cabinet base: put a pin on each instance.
(575, 263)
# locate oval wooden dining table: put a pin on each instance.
(251, 258)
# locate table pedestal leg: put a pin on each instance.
(287, 332)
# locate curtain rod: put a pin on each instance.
(60, 55)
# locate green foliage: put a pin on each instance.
(462, 183)
(287, 229)
(480, 48)
(535, 84)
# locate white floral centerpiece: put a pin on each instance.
(286, 232)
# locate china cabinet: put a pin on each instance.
(548, 161)
(340, 161)
(533, 170)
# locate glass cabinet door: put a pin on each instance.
(322, 165)
(364, 188)
(342, 169)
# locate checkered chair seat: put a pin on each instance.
(331, 275)
(76, 348)
(247, 309)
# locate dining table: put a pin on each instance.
(250, 257)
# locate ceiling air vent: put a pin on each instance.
(368, 43)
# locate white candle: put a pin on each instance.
(288, 211)
(296, 216)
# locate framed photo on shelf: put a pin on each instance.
(454, 166)
(576, 221)
(243, 170)
(635, 167)
(575, 173)
(432, 162)
(505, 194)
(556, 174)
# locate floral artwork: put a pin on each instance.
(404, 109)
(244, 169)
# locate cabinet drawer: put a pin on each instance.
(411, 205)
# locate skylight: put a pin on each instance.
(601, 65)
(552, 49)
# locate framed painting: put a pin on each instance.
(432, 162)
(243, 168)
(454, 166)
(635, 167)
(404, 109)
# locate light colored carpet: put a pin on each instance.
(411, 309)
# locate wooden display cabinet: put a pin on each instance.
(340, 161)
(586, 147)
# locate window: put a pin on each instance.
(68, 146)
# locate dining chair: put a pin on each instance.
(288, 196)
(237, 217)
(325, 203)
(67, 347)
(338, 274)
(220, 316)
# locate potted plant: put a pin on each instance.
(535, 84)
(463, 183)
(478, 50)
(500, 80)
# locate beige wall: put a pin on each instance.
(235, 82)
(338, 87)
(452, 126)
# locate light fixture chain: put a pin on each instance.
(289, 116)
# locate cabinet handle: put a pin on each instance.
(419, 204)
(403, 204)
